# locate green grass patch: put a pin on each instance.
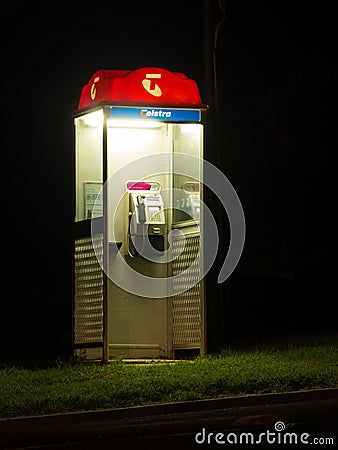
(81, 386)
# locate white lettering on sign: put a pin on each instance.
(93, 88)
(154, 113)
(148, 85)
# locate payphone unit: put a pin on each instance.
(145, 217)
(146, 200)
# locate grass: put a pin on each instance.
(80, 386)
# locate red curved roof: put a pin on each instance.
(144, 86)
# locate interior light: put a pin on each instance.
(128, 123)
(131, 139)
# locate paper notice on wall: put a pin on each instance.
(93, 199)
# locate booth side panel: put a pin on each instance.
(186, 306)
(88, 296)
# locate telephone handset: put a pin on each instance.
(141, 208)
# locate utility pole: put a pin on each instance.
(213, 17)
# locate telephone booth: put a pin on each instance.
(138, 289)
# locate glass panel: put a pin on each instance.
(187, 139)
(130, 141)
(89, 140)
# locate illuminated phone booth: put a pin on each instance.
(138, 284)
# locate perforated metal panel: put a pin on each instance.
(88, 299)
(186, 305)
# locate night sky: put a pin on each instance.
(277, 104)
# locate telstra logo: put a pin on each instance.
(146, 113)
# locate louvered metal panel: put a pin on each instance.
(187, 305)
(88, 296)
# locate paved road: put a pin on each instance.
(311, 417)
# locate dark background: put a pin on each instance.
(271, 130)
